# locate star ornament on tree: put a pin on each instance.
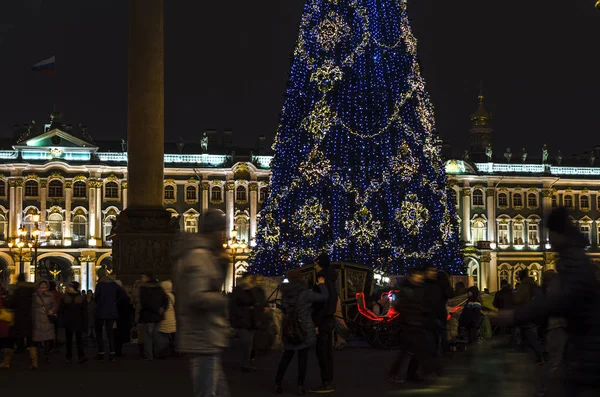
(413, 215)
(363, 229)
(326, 76)
(331, 31)
(311, 217)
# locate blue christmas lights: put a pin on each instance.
(357, 170)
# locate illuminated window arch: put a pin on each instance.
(191, 193)
(502, 200)
(80, 230)
(584, 203)
(241, 194)
(55, 224)
(243, 228)
(32, 188)
(80, 189)
(216, 193)
(55, 189)
(568, 201)
(517, 200)
(532, 200)
(111, 190)
(478, 197)
(478, 230)
(169, 192)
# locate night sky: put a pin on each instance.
(227, 64)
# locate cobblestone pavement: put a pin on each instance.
(486, 370)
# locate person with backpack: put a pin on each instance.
(154, 302)
(298, 329)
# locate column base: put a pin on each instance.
(142, 242)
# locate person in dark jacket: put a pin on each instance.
(410, 303)
(471, 316)
(577, 299)
(503, 300)
(124, 322)
(437, 292)
(297, 297)
(243, 317)
(324, 320)
(73, 316)
(526, 291)
(154, 303)
(21, 333)
(108, 294)
(57, 299)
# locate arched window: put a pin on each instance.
(240, 194)
(80, 230)
(111, 190)
(55, 189)
(191, 224)
(31, 188)
(478, 231)
(263, 194)
(503, 233)
(108, 224)
(502, 200)
(169, 192)
(190, 193)
(568, 201)
(586, 230)
(55, 222)
(533, 233)
(241, 224)
(3, 225)
(536, 274)
(584, 203)
(504, 276)
(532, 200)
(517, 200)
(453, 196)
(2, 188)
(478, 197)
(216, 194)
(79, 189)
(28, 224)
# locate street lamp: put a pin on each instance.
(16, 248)
(235, 248)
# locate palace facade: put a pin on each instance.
(61, 191)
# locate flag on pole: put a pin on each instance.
(47, 66)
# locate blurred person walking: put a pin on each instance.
(20, 333)
(44, 319)
(576, 299)
(200, 266)
(108, 294)
(154, 303)
(124, 321)
(168, 326)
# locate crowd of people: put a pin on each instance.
(559, 322)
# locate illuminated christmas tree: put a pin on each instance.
(357, 170)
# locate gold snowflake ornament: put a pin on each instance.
(412, 215)
(311, 217)
(363, 228)
(331, 31)
(326, 76)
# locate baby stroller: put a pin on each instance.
(457, 336)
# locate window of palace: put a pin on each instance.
(80, 230)
(502, 200)
(108, 227)
(169, 192)
(55, 222)
(191, 225)
(533, 234)
(111, 190)
(79, 189)
(555, 201)
(264, 191)
(584, 203)
(504, 276)
(32, 188)
(503, 233)
(190, 193)
(478, 197)
(568, 201)
(55, 189)
(532, 200)
(518, 233)
(598, 201)
(243, 229)
(28, 225)
(240, 194)
(517, 200)
(3, 225)
(586, 230)
(216, 194)
(478, 231)
(2, 188)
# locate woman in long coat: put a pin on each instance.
(44, 306)
(20, 334)
(297, 297)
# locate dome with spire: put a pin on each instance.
(481, 118)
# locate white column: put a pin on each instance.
(19, 201)
(27, 271)
(12, 214)
(253, 209)
(124, 193)
(43, 203)
(491, 214)
(493, 272)
(83, 271)
(229, 208)
(466, 215)
(205, 195)
(67, 234)
(92, 208)
(98, 233)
